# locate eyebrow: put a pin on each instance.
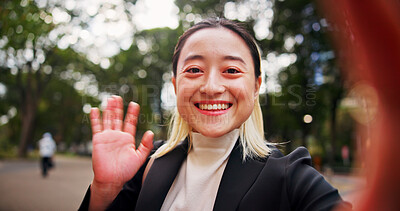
(233, 58)
(193, 57)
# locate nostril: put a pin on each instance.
(211, 89)
(202, 89)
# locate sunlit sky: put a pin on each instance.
(156, 13)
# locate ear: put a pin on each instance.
(258, 85)
(174, 83)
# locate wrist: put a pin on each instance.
(106, 188)
(102, 195)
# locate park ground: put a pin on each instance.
(23, 188)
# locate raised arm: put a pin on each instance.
(115, 158)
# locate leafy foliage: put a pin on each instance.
(45, 81)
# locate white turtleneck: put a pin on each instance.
(196, 185)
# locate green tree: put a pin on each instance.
(24, 50)
(314, 79)
(30, 60)
(42, 77)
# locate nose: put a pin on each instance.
(212, 85)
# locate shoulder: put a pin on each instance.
(305, 187)
(157, 145)
(166, 148)
(298, 156)
(291, 169)
(286, 167)
(294, 166)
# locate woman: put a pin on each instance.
(216, 157)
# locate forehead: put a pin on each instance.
(213, 41)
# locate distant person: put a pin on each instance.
(47, 147)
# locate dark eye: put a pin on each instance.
(193, 70)
(232, 71)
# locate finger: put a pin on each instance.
(145, 146)
(95, 120)
(108, 114)
(118, 112)
(131, 118)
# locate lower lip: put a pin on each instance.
(213, 113)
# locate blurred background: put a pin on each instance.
(60, 58)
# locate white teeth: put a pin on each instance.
(213, 106)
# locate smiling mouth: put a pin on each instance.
(213, 107)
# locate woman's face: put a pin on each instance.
(215, 82)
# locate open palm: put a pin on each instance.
(115, 158)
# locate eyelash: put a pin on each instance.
(195, 70)
(190, 70)
(230, 69)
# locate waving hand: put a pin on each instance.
(115, 158)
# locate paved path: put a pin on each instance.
(23, 188)
(349, 187)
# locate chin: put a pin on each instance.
(213, 133)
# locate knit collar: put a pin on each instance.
(222, 142)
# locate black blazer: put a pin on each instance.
(275, 183)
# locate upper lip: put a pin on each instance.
(212, 102)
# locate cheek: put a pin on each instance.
(184, 91)
(242, 92)
(245, 103)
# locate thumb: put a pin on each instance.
(145, 146)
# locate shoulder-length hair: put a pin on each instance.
(252, 130)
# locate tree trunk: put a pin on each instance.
(29, 102)
(28, 120)
(304, 134)
(285, 137)
(265, 104)
(332, 125)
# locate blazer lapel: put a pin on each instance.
(236, 180)
(160, 178)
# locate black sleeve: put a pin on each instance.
(306, 187)
(127, 198)
(85, 203)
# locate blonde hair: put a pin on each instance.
(251, 134)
